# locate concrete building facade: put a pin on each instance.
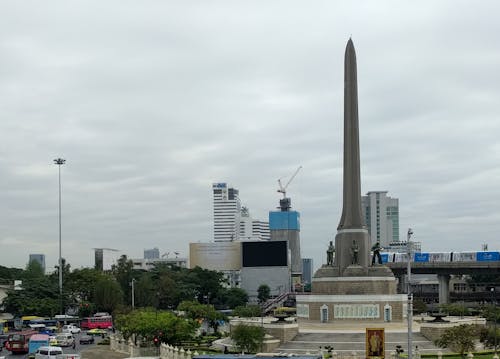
(381, 214)
(227, 207)
(307, 270)
(153, 253)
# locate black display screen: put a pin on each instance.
(265, 254)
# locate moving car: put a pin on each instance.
(48, 352)
(71, 328)
(86, 339)
(97, 331)
(65, 339)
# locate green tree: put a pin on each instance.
(419, 306)
(123, 272)
(195, 310)
(143, 289)
(7, 275)
(39, 296)
(459, 338)
(80, 284)
(248, 311)
(264, 293)
(248, 338)
(148, 323)
(234, 297)
(107, 294)
(489, 337)
(33, 270)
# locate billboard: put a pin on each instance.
(265, 254)
(215, 256)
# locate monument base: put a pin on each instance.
(326, 308)
(356, 279)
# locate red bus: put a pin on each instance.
(18, 342)
(100, 322)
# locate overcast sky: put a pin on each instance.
(150, 102)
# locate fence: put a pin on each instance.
(164, 351)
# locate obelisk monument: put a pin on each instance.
(349, 288)
(352, 242)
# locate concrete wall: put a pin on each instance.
(277, 278)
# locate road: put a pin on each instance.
(66, 350)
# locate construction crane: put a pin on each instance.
(285, 202)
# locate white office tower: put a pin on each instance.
(227, 208)
(381, 215)
(252, 229)
(260, 230)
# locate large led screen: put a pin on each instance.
(264, 254)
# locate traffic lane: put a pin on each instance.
(66, 350)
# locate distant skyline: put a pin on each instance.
(151, 103)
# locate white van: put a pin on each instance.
(48, 352)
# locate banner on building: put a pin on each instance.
(375, 343)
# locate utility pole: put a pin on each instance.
(410, 295)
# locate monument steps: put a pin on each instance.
(348, 342)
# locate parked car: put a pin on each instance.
(71, 328)
(65, 339)
(86, 339)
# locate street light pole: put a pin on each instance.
(133, 294)
(410, 295)
(494, 316)
(59, 162)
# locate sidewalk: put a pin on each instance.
(102, 352)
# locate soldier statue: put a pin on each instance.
(376, 248)
(354, 252)
(329, 254)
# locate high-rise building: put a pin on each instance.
(40, 258)
(260, 230)
(227, 207)
(307, 270)
(105, 258)
(153, 253)
(381, 214)
(252, 229)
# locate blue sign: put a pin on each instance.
(421, 257)
(385, 257)
(488, 256)
(219, 185)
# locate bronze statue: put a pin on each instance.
(376, 248)
(354, 252)
(329, 254)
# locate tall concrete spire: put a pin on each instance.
(351, 208)
(352, 241)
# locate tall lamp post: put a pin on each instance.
(494, 316)
(410, 295)
(59, 162)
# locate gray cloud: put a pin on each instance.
(152, 102)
